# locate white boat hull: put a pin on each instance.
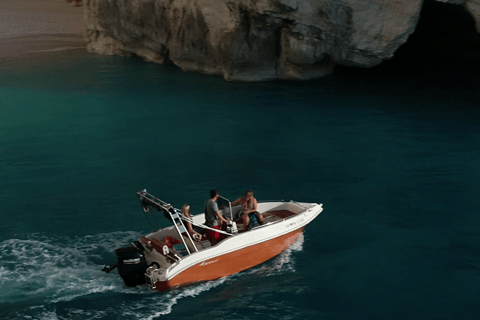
(236, 253)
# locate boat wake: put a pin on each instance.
(282, 263)
(58, 268)
(43, 277)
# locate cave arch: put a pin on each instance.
(445, 36)
(445, 33)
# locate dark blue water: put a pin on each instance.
(393, 158)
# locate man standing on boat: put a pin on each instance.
(212, 215)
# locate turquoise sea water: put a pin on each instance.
(393, 158)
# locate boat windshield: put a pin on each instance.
(223, 203)
(225, 206)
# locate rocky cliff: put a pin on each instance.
(256, 39)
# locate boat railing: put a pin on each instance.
(148, 201)
(227, 205)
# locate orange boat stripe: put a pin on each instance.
(232, 262)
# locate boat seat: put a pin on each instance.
(159, 246)
(204, 244)
(189, 243)
(200, 244)
(241, 227)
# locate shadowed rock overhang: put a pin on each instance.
(282, 39)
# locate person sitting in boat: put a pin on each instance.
(212, 217)
(186, 213)
(248, 204)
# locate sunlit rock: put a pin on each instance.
(256, 40)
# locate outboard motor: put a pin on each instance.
(131, 264)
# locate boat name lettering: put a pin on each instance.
(132, 261)
(291, 224)
(207, 263)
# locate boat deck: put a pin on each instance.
(281, 214)
(269, 216)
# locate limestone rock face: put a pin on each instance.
(473, 7)
(255, 39)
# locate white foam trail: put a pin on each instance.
(49, 316)
(284, 262)
(58, 269)
(173, 298)
(51, 270)
(162, 304)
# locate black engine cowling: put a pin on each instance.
(131, 264)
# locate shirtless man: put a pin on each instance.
(249, 205)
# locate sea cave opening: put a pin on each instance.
(445, 39)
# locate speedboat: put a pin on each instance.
(170, 257)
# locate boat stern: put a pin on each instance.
(155, 278)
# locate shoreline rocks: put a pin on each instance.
(251, 40)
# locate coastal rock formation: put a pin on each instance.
(256, 39)
(473, 7)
